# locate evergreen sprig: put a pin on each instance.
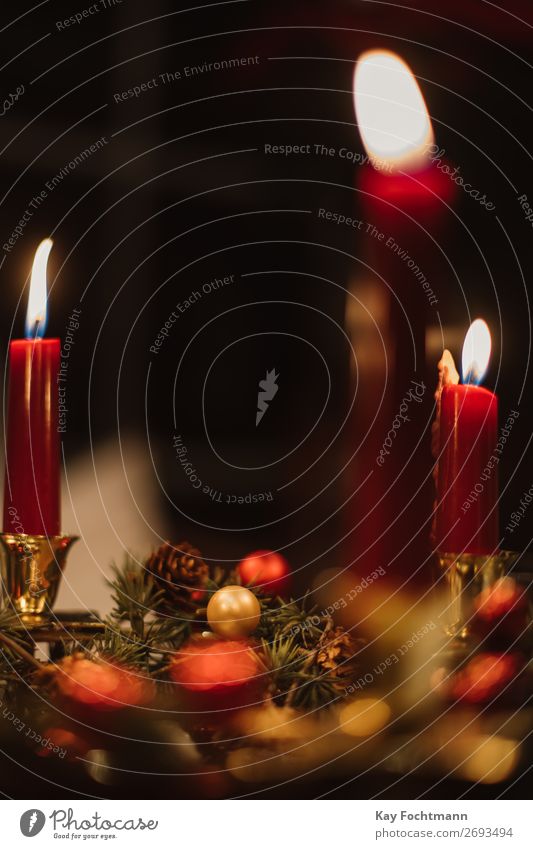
(14, 655)
(138, 632)
(134, 593)
(309, 661)
(285, 619)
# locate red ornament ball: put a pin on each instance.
(501, 609)
(267, 570)
(102, 685)
(485, 677)
(63, 743)
(218, 674)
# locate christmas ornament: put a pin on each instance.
(485, 677)
(233, 612)
(500, 611)
(219, 674)
(267, 570)
(63, 743)
(100, 685)
(180, 572)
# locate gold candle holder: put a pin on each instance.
(466, 576)
(32, 567)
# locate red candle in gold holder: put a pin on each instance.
(467, 480)
(33, 550)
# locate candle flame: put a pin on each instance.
(391, 112)
(476, 352)
(36, 312)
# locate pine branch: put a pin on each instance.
(297, 682)
(120, 646)
(161, 637)
(292, 619)
(134, 593)
(13, 652)
(16, 650)
(309, 660)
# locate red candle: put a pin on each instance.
(32, 482)
(467, 480)
(405, 197)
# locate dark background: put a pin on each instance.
(183, 193)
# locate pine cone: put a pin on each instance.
(338, 655)
(180, 572)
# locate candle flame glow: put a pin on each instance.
(37, 300)
(476, 352)
(391, 112)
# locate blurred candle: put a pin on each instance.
(398, 137)
(467, 480)
(32, 488)
(403, 193)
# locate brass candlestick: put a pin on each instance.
(466, 576)
(32, 567)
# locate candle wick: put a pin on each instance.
(35, 335)
(471, 378)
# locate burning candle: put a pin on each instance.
(32, 482)
(403, 194)
(391, 112)
(397, 134)
(467, 477)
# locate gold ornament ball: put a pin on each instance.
(233, 612)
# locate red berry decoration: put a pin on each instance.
(218, 674)
(267, 570)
